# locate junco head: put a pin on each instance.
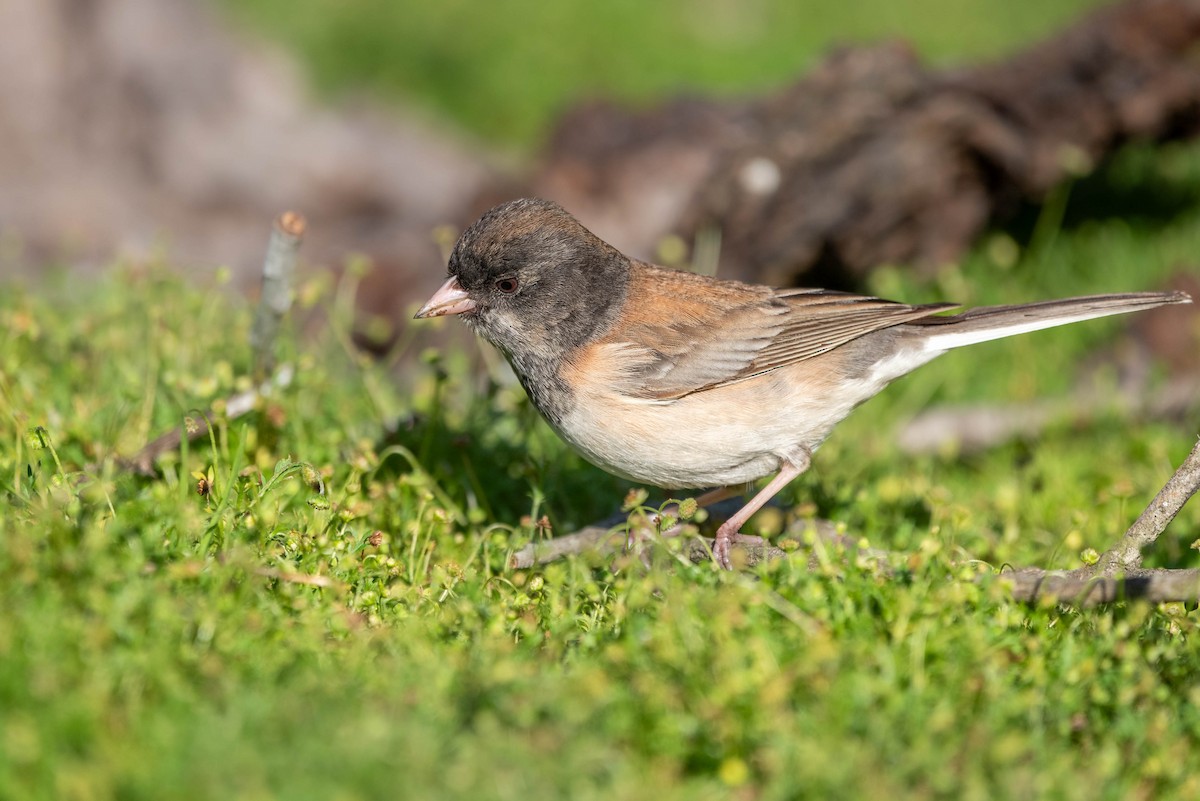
(685, 381)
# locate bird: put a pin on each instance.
(685, 381)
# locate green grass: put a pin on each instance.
(154, 642)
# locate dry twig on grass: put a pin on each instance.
(611, 535)
(1084, 588)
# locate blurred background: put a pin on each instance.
(506, 72)
(788, 142)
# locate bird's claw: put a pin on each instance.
(720, 552)
(723, 545)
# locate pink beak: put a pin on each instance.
(451, 298)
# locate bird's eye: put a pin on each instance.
(507, 285)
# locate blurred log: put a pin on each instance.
(873, 158)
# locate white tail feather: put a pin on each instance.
(958, 339)
(986, 324)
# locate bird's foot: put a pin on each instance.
(723, 544)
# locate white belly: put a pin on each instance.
(721, 437)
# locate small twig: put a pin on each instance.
(277, 291)
(602, 537)
(279, 266)
(598, 537)
(236, 406)
(604, 540)
(1126, 555)
(699, 550)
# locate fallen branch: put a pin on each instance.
(1084, 588)
(968, 429)
(610, 536)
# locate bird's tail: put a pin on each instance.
(986, 323)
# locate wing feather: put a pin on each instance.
(723, 332)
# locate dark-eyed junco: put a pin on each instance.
(683, 381)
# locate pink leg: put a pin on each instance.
(723, 493)
(731, 528)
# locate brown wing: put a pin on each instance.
(686, 333)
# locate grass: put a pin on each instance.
(157, 642)
(156, 638)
